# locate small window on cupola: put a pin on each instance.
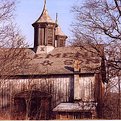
(42, 36)
(50, 36)
(62, 43)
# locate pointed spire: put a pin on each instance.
(44, 17)
(56, 18)
(58, 29)
(44, 4)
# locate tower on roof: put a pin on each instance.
(44, 29)
(59, 35)
(46, 32)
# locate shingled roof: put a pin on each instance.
(75, 107)
(59, 32)
(59, 61)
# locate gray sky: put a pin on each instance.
(28, 11)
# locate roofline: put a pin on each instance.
(42, 75)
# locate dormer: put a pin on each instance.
(44, 30)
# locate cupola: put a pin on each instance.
(44, 30)
(59, 35)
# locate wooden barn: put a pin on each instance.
(51, 81)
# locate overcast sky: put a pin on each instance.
(28, 11)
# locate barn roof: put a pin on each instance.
(59, 31)
(59, 61)
(74, 107)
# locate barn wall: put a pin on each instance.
(84, 87)
(59, 87)
(87, 88)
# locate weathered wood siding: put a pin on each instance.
(58, 87)
(84, 88)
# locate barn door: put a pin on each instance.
(40, 108)
(36, 107)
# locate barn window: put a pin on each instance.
(62, 42)
(41, 37)
(50, 36)
(34, 109)
(20, 104)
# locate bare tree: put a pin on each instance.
(10, 39)
(99, 22)
(12, 53)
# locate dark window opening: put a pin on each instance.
(50, 36)
(20, 104)
(34, 107)
(62, 43)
